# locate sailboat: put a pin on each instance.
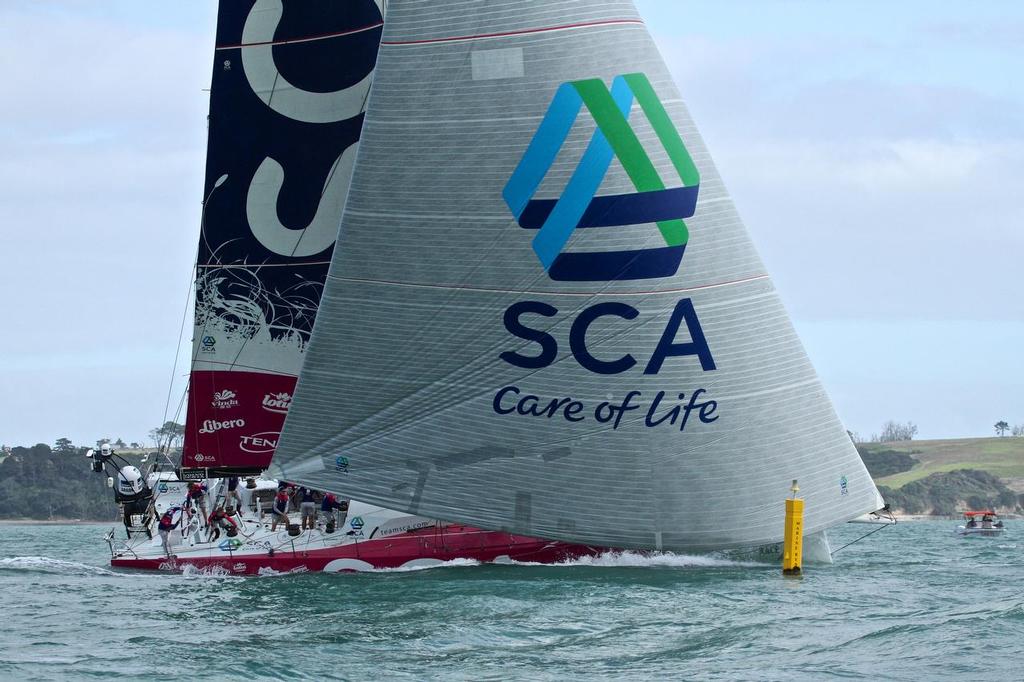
(541, 329)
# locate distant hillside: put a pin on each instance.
(39, 483)
(1001, 457)
(952, 492)
(948, 476)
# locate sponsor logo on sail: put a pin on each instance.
(659, 201)
(341, 464)
(259, 443)
(208, 344)
(554, 220)
(226, 399)
(214, 425)
(277, 402)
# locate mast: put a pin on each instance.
(289, 88)
(544, 314)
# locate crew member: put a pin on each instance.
(329, 505)
(232, 494)
(197, 495)
(166, 525)
(307, 507)
(219, 519)
(280, 510)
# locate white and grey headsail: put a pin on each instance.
(289, 88)
(544, 314)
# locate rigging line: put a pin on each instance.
(181, 332)
(833, 553)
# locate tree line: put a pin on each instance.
(42, 482)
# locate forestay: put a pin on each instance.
(544, 314)
(290, 82)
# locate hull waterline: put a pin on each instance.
(421, 548)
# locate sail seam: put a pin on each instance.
(265, 370)
(715, 285)
(243, 266)
(305, 39)
(505, 34)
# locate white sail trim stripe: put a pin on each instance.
(506, 34)
(714, 285)
(770, 391)
(490, 121)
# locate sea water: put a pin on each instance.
(911, 602)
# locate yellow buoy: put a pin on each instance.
(793, 537)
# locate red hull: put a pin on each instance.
(424, 547)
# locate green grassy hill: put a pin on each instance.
(1001, 457)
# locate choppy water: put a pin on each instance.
(911, 602)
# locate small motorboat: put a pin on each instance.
(985, 523)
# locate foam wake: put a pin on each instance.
(629, 559)
(44, 564)
(427, 564)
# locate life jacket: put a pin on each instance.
(281, 502)
(329, 502)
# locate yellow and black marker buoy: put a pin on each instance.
(793, 538)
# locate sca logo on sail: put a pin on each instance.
(553, 221)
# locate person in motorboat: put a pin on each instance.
(986, 521)
(166, 525)
(972, 523)
(280, 509)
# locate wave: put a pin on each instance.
(267, 572)
(46, 564)
(427, 565)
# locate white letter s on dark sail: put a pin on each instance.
(266, 226)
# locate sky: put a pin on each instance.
(874, 150)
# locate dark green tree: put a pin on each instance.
(170, 434)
